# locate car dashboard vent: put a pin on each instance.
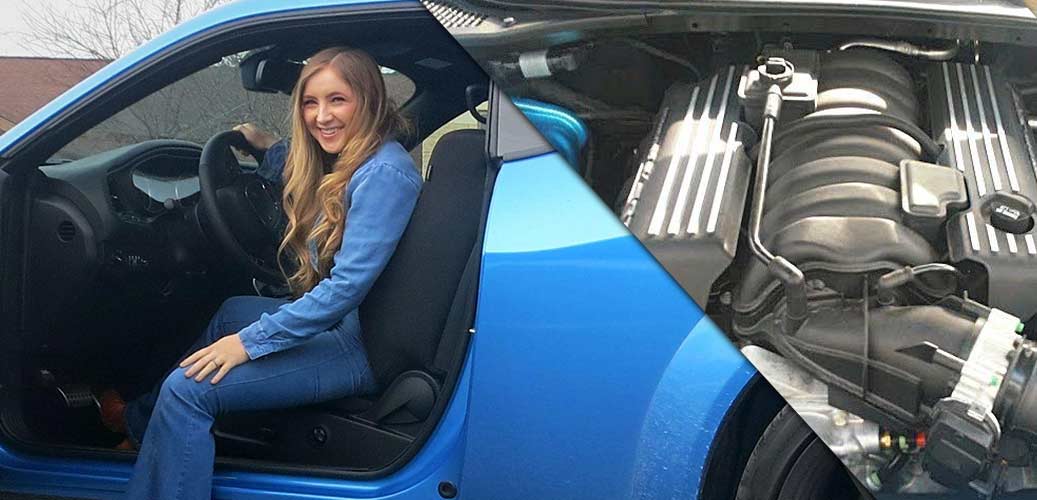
(66, 231)
(451, 16)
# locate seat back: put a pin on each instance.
(404, 314)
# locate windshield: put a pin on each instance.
(191, 109)
(198, 107)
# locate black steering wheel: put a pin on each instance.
(242, 210)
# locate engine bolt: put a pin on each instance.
(839, 419)
(319, 435)
(447, 489)
(726, 298)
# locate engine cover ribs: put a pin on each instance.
(978, 119)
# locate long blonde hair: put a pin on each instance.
(314, 183)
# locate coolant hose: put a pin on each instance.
(906, 48)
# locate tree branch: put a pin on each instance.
(101, 29)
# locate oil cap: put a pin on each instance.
(1009, 213)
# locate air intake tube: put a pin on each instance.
(957, 371)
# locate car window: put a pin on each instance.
(462, 121)
(199, 106)
(399, 88)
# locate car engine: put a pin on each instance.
(862, 220)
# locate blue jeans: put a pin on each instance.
(177, 451)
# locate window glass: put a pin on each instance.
(399, 88)
(199, 106)
(462, 121)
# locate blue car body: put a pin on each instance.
(591, 374)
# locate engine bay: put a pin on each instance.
(858, 214)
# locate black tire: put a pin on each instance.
(789, 462)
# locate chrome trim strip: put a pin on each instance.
(1013, 179)
(992, 237)
(655, 225)
(1013, 247)
(718, 196)
(993, 165)
(970, 219)
(696, 209)
(981, 181)
(1031, 247)
(644, 172)
(959, 162)
(693, 161)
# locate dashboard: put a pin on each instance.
(118, 232)
(154, 184)
(130, 185)
(162, 182)
(127, 214)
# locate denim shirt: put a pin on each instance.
(380, 198)
(272, 166)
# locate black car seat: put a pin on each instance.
(404, 314)
(405, 329)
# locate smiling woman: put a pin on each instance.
(343, 162)
(328, 103)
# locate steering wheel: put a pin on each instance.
(242, 210)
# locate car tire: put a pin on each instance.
(790, 462)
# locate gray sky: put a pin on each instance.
(10, 26)
(14, 31)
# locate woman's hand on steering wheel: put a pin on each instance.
(219, 357)
(240, 209)
(257, 137)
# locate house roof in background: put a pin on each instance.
(27, 83)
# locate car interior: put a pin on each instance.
(119, 261)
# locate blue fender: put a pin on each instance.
(695, 393)
(592, 369)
